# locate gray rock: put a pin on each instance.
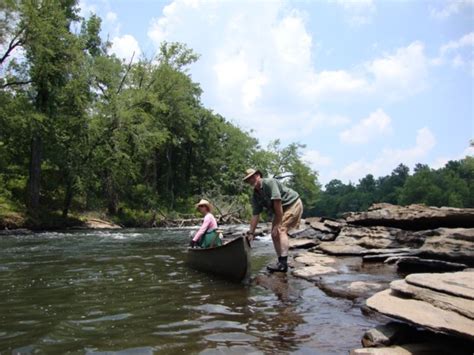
(388, 334)
(422, 313)
(305, 232)
(463, 306)
(382, 257)
(415, 264)
(453, 244)
(302, 243)
(413, 217)
(459, 284)
(313, 271)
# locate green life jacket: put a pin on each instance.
(210, 239)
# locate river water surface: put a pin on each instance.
(130, 291)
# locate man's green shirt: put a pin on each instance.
(272, 189)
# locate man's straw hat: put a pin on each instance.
(251, 172)
(204, 203)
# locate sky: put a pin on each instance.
(365, 85)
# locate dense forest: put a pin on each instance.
(452, 185)
(82, 130)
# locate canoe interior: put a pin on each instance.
(230, 261)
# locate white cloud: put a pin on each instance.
(377, 124)
(458, 53)
(257, 65)
(402, 73)
(465, 41)
(389, 158)
(315, 159)
(125, 46)
(451, 7)
(358, 12)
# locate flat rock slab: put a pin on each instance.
(302, 243)
(413, 217)
(459, 284)
(314, 259)
(341, 248)
(310, 272)
(411, 349)
(422, 314)
(441, 300)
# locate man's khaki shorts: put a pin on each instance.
(292, 215)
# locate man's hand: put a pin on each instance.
(192, 244)
(250, 235)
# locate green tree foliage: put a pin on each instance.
(452, 185)
(82, 130)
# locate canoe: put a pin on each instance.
(230, 261)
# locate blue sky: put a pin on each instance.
(365, 84)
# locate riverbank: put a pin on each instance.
(377, 259)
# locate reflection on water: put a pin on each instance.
(131, 292)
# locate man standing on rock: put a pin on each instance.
(283, 203)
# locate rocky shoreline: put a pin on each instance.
(432, 299)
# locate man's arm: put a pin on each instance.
(253, 224)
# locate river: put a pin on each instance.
(130, 292)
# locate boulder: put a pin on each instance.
(459, 284)
(387, 334)
(463, 306)
(346, 247)
(414, 264)
(413, 217)
(453, 244)
(422, 314)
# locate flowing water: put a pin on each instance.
(130, 291)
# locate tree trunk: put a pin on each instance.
(112, 199)
(67, 198)
(34, 174)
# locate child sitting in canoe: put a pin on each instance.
(206, 236)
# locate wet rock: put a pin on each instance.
(302, 243)
(415, 264)
(387, 334)
(314, 259)
(453, 244)
(313, 271)
(413, 217)
(438, 348)
(363, 287)
(463, 306)
(459, 284)
(382, 257)
(422, 313)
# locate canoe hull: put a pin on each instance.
(230, 261)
